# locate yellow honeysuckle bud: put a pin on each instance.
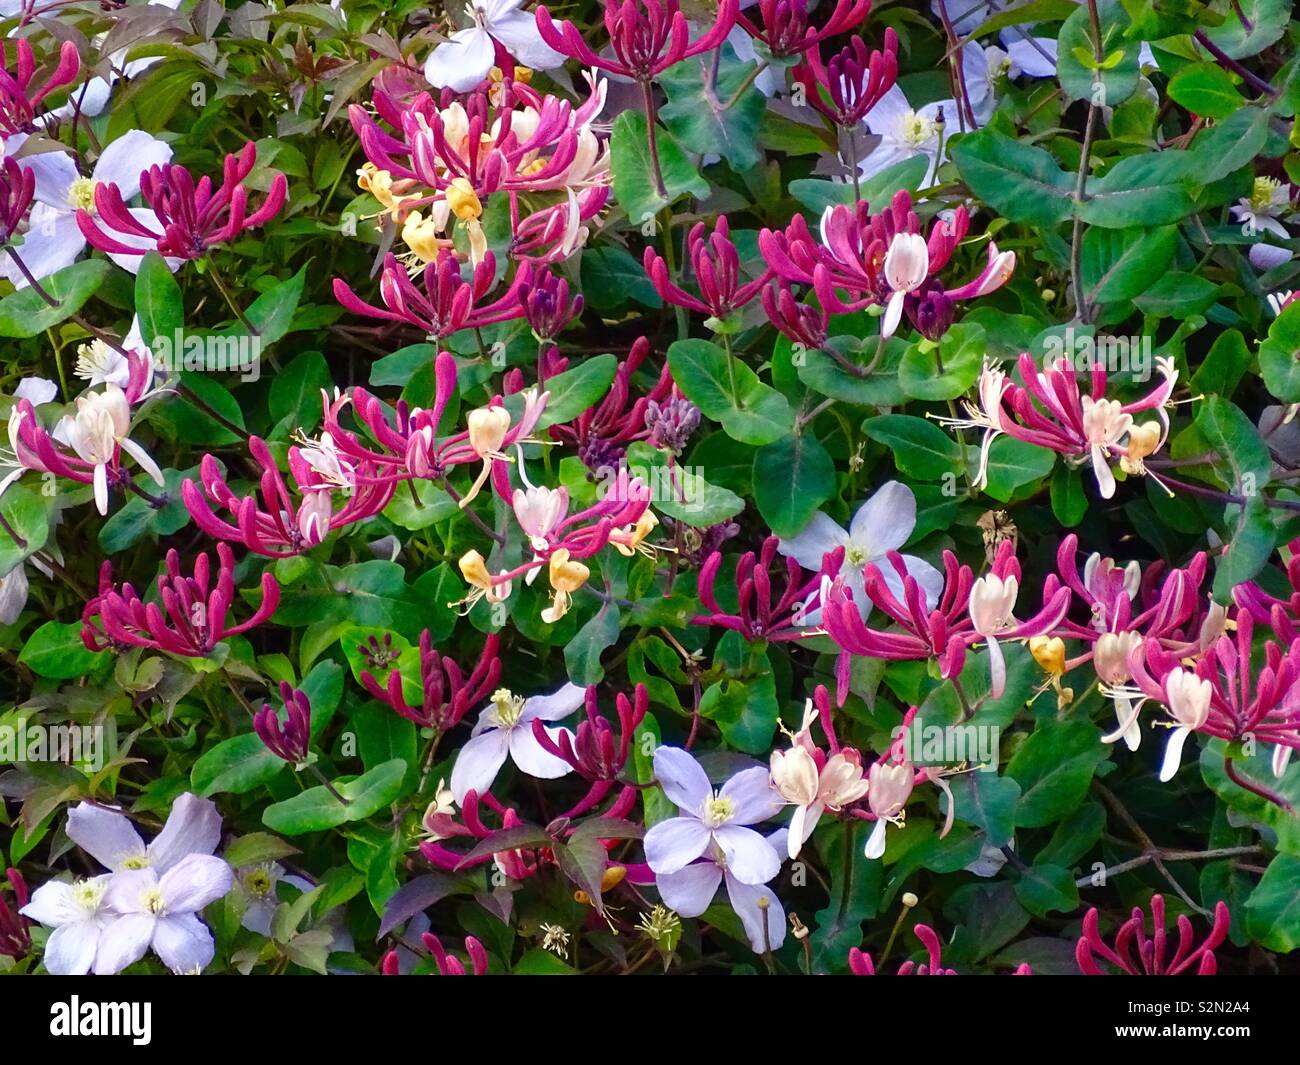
(421, 236)
(463, 201)
(1049, 653)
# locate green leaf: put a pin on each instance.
(1119, 264)
(1224, 365)
(271, 314)
(729, 392)
(236, 765)
(701, 113)
(854, 897)
(984, 799)
(611, 276)
(295, 395)
(1260, 24)
(26, 515)
(26, 314)
(1178, 295)
(573, 391)
(681, 492)
(793, 477)
(1054, 769)
(316, 809)
(921, 448)
(1013, 464)
(1205, 89)
(55, 650)
(1047, 888)
(1151, 189)
(582, 653)
(1113, 80)
(138, 518)
(159, 305)
(1273, 912)
(1069, 503)
(1020, 181)
(961, 354)
(1279, 356)
(1231, 144)
(634, 182)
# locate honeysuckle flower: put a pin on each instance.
(716, 266)
(1189, 705)
(566, 577)
(907, 264)
(646, 36)
(883, 523)
(20, 97)
(463, 61)
(161, 912)
(17, 187)
(183, 219)
(784, 28)
(1261, 211)
(888, 789)
(760, 613)
(1139, 955)
(53, 238)
(504, 730)
(992, 600)
(482, 584)
(192, 827)
(446, 692)
(706, 819)
(290, 739)
(594, 753)
(97, 431)
(853, 80)
(15, 940)
(810, 780)
(77, 912)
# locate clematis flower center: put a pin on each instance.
(258, 883)
(81, 194)
(917, 129)
(855, 555)
(136, 861)
(151, 900)
(1263, 194)
(508, 707)
(717, 811)
(87, 895)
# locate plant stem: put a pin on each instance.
(652, 138)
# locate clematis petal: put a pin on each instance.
(751, 859)
(183, 942)
(106, 835)
(689, 891)
(682, 778)
(885, 521)
(518, 32)
(479, 762)
(193, 827)
(195, 881)
(819, 538)
(123, 943)
(462, 62)
(532, 758)
(553, 707)
(673, 844)
(123, 161)
(745, 900)
(753, 797)
(53, 906)
(70, 951)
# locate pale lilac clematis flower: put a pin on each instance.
(710, 822)
(193, 827)
(53, 239)
(690, 891)
(505, 728)
(903, 132)
(77, 913)
(462, 61)
(161, 912)
(882, 524)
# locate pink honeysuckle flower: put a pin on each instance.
(860, 963)
(715, 264)
(784, 29)
(883, 523)
(447, 693)
(593, 752)
(289, 739)
(504, 730)
(160, 911)
(53, 240)
(810, 779)
(20, 97)
(463, 61)
(690, 891)
(602, 432)
(78, 914)
(547, 306)
(1050, 411)
(1137, 955)
(272, 522)
(890, 782)
(17, 188)
(760, 613)
(707, 819)
(646, 36)
(85, 446)
(802, 323)
(907, 265)
(852, 82)
(190, 618)
(992, 600)
(1242, 703)
(447, 305)
(183, 219)
(1283, 614)
(15, 939)
(447, 964)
